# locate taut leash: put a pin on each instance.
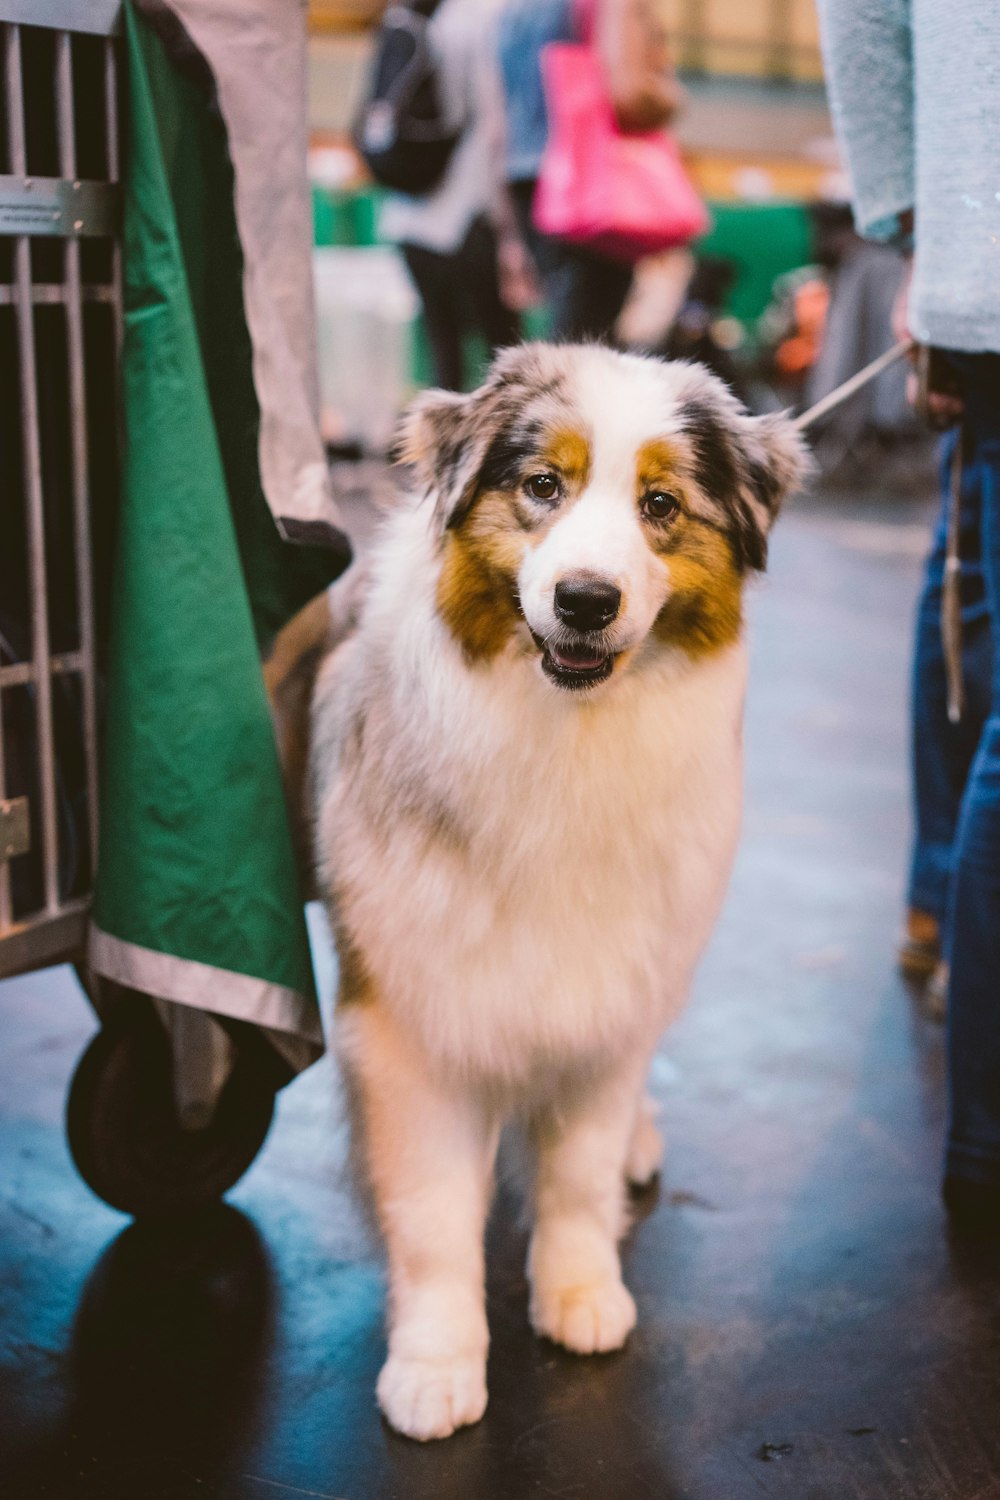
(856, 383)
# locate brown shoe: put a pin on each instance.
(919, 949)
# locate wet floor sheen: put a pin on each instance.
(807, 1328)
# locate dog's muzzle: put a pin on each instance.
(578, 654)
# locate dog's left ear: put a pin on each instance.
(748, 465)
(773, 462)
(445, 437)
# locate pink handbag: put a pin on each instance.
(624, 195)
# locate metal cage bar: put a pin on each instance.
(97, 17)
(80, 456)
(5, 904)
(33, 490)
(53, 294)
(5, 898)
(114, 176)
(33, 208)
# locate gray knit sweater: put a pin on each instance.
(915, 90)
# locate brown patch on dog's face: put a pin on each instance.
(477, 589)
(510, 511)
(703, 611)
(566, 453)
(477, 586)
(658, 466)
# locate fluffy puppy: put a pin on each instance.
(527, 769)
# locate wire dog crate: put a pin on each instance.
(167, 1108)
(60, 323)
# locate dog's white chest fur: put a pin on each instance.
(529, 876)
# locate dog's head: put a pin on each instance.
(597, 507)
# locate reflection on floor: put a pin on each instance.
(807, 1329)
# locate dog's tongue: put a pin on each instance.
(577, 658)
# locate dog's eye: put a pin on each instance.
(660, 505)
(542, 486)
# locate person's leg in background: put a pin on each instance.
(547, 254)
(435, 277)
(584, 293)
(592, 295)
(489, 315)
(942, 752)
(972, 944)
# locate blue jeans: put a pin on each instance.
(942, 753)
(956, 871)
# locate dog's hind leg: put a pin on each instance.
(577, 1294)
(430, 1154)
(645, 1149)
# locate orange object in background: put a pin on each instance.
(798, 353)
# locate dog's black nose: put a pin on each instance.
(587, 603)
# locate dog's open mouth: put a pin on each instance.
(576, 664)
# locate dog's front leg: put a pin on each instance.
(577, 1294)
(430, 1151)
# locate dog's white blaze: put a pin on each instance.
(601, 534)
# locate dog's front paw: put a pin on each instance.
(589, 1319)
(426, 1399)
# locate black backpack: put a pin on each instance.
(401, 131)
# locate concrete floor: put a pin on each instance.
(807, 1327)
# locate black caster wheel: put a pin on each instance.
(123, 1131)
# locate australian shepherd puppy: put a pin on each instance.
(527, 767)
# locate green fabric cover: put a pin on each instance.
(764, 241)
(196, 854)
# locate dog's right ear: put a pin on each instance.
(445, 436)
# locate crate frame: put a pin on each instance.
(72, 210)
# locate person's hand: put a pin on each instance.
(901, 332)
(901, 308)
(940, 407)
(519, 289)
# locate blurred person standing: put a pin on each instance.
(863, 279)
(917, 109)
(584, 291)
(448, 236)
